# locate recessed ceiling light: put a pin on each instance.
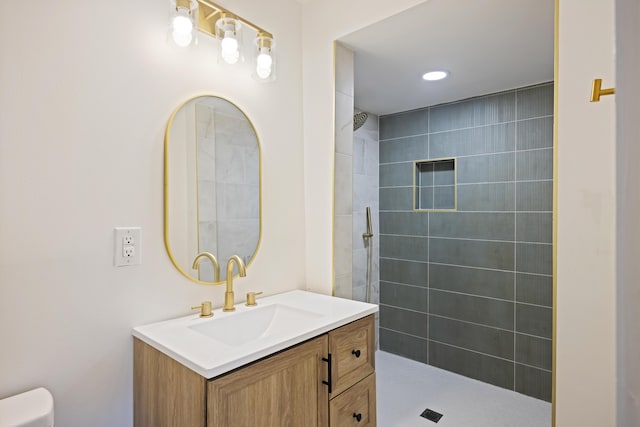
(435, 75)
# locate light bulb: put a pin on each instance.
(230, 57)
(229, 48)
(182, 25)
(229, 42)
(263, 72)
(264, 59)
(181, 39)
(182, 22)
(435, 75)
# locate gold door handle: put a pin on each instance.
(597, 91)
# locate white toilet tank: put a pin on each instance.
(29, 409)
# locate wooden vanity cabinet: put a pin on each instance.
(282, 390)
(289, 388)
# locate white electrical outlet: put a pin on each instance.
(127, 246)
(128, 239)
(128, 251)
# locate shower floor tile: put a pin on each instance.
(405, 388)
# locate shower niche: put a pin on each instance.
(434, 185)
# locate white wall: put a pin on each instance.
(586, 291)
(628, 225)
(322, 23)
(86, 89)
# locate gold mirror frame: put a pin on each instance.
(166, 200)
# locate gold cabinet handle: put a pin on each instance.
(251, 298)
(597, 91)
(205, 309)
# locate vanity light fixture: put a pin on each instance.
(435, 75)
(227, 27)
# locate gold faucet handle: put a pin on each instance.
(251, 298)
(205, 309)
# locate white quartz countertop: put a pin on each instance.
(228, 340)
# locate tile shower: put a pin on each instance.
(470, 290)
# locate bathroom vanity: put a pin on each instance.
(298, 359)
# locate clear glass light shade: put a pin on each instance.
(229, 42)
(182, 26)
(263, 63)
(229, 47)
(228, 32)
(182, 22)
(264, 58)
(230, 57)
(182, 39)
(263, 73)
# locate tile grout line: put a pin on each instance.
(433, 205)
(490, 355)
(475, 98)
(391, 282)
(429, 132)
(428, 284)
(474, 351)
(433, 178)
(459, 211)
(466, 294)
(464, 321)
(464, 349)
(468, 266)
(515, 230)
(433, 188)
(461, 156)
(469, 183)
(467, 239)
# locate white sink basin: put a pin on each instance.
(228, 340)
(259, 323)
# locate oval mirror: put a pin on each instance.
(212, 189)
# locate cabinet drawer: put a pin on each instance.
(355, 407)
(353, 353)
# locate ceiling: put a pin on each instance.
(486, 46)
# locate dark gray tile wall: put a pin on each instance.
(471, 290)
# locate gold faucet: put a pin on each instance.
(214, 261)
(228, 295)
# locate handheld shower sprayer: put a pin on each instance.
(369, 236)
(369, 232)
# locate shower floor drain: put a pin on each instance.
(431, 415)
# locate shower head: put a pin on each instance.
(359, 119)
